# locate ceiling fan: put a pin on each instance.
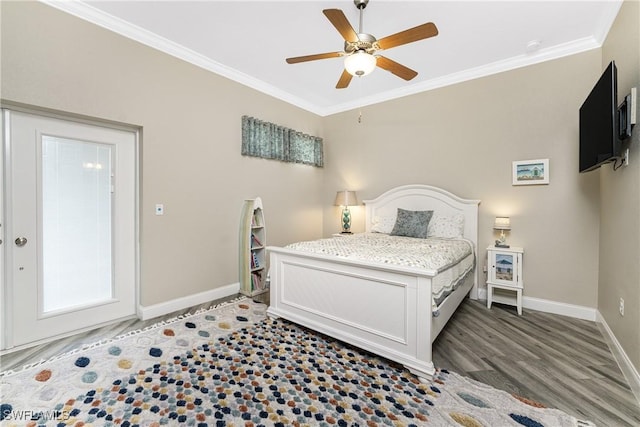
(360, 49)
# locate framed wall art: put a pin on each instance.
(531, 172)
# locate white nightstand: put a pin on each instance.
(505, 272)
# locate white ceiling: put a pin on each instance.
(248, 41)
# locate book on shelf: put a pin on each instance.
(255, 242)
(254, 260)
(256, 281)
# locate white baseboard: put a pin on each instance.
(564, 309)
(627, 368)
(548, 306)
(151, 311)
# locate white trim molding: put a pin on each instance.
(553, 307)
(98, 17)
(626, 366)
(564, 309)
(151, 311)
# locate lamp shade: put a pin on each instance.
(346, 198)
(502, 223)
(360, 63)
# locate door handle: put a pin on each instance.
(21, 241)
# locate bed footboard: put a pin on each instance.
(386, 311)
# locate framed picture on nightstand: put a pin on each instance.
(504, 267)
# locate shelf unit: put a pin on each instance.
(252, 256)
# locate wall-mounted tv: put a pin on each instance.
(599, 140)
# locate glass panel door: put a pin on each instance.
(76, 224)
(71, 227)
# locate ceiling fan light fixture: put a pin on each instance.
(360, 49)
(360, 63)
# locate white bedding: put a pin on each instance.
(451, 259)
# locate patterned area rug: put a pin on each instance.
(230, 366)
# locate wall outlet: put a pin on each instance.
(626, 157)
(621, 307)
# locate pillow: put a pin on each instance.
(382, 224)
(412, 223)
(446, 226)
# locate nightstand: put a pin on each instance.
(505, 273)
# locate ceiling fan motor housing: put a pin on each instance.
(365, 42)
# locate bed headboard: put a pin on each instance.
(418, 197)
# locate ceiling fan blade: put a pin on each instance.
(337, 18)
(306, 58)
(395, 68)
(344, 81)
(420, 32)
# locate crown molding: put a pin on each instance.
(95, 16)
(89, 13)
(543, 55)
(606, 21)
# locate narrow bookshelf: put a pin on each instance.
(252, 256)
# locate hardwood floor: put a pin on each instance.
(559, 361)
(562, 362)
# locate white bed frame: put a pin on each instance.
(384, 309)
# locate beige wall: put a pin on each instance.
(191, 158)
(463, 138)
(620, 198)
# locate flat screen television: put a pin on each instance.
(599, 140)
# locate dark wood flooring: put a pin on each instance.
(559, 361)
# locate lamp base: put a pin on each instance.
(502, 242)
(346, 220)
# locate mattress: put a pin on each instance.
(452, 260)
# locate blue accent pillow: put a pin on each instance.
(412, 223)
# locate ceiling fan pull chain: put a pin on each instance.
(360, 97)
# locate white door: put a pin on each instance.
(70, 231)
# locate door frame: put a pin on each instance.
(3, 234)
(6, 312)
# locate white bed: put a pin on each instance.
(382, 308)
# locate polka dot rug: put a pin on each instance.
(232, 366)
